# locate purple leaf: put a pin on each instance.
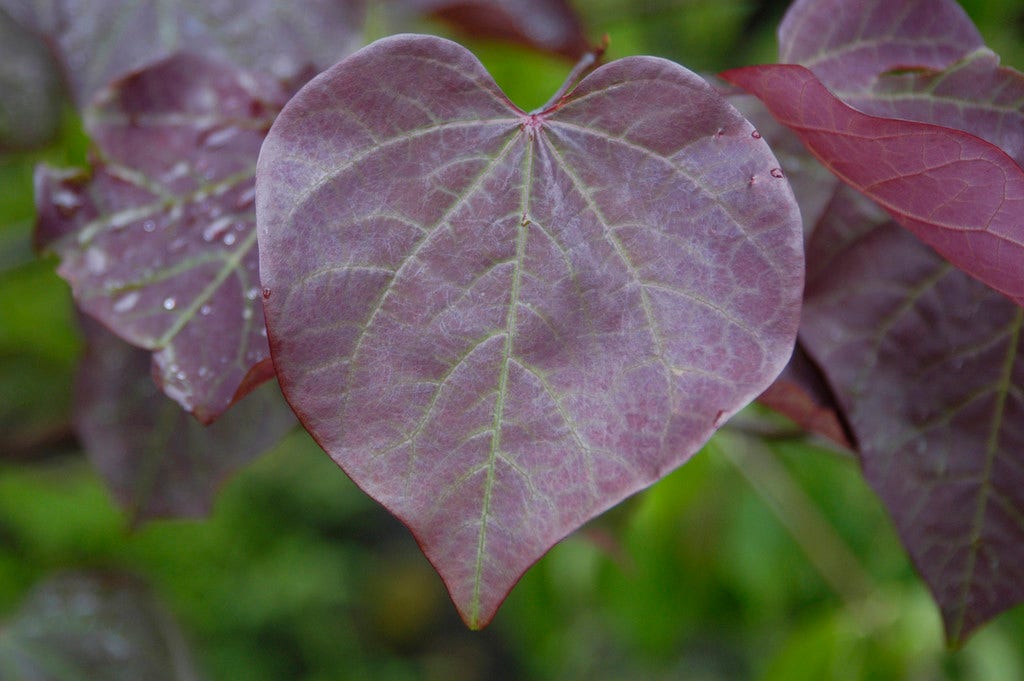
(95, 626)
(159, 243)
(958, 193)
(847, 43)
(102, 39)
(30, 108)
(927, 363)
(549, 25)
(157, 460)
(499, 323)
(975, 95)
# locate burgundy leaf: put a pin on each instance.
(549, 25)
(847, 43)
(927, 364)
(957, 192)
(102, 39)
(95, 626)
(157, 460)
(801, 394)
(502, 323)
(159, 242)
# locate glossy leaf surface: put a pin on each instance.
(156, 459)
(95, 626)
(927, 363)
(99, 40)
(955, 191)
(159, 242)
(848, 43)
(500, 323)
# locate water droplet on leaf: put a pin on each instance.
(170, 303)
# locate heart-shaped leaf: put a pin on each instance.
(501, 323)
(156, 459)
(101, 39)
(927, 363)
(959, 193)
(159, 242)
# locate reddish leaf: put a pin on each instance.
(927, 364)
(848, 43)
(157, 460)
(102, 39)
(549, 25)
(800, 393)
(95, 626)
(159, 243)
(957, 192)
(500, 323)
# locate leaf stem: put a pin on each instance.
(587, 63)
(828, 553)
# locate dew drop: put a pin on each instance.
(127, 302)
(776, 172)
(229, 238)
(204, 372)
(205, 310)
(149, 226)
(252, 294)
(266, 293)
(247, 313)
(753, 179)
(170, 303)
(67, 202)
(216, 228)
(756, 135)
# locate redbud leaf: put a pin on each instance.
(30, 109)
(549, 25)
(99, 40)
(927, 364)
(97, 626)
(158, 461)
(159, 242)
(848, 43)
(957, 192)
(502, 323)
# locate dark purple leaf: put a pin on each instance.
(957, 192)
(30, 81)
(95, 626)
(157, 460)
(501, 324)
(848, 43)
(159, 243)
(102, 39)
(549, 25)
(927, 364)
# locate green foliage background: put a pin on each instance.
(760, 559)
